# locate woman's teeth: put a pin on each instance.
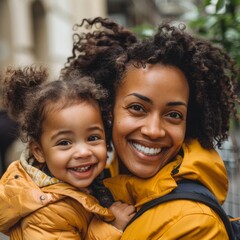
(82, 169)
(147, 150)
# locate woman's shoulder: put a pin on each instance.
(178, 218)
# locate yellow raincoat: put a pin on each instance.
(53, 210)
(177, 219)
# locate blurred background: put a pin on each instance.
(40, 31)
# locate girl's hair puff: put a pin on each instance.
(17, 85)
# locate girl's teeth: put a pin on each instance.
(81, 169)
(147, 150)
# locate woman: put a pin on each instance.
(173, 96)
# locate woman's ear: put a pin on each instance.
(36, 150)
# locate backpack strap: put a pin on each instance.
(194, 191)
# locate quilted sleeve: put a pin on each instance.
(100, 230)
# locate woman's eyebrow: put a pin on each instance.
(144, 98)
(177, 103)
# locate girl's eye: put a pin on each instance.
(64, 143)
(175, 115)
(93, 138)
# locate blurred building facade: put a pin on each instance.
(40, 31)
(137, 12)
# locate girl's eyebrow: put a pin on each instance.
(146, 99)
(58, 133)
(64, 132)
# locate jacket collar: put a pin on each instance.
(199, 164)
(137, 191)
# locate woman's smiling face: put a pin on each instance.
(150, 114)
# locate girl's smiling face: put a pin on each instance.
(150, 114)
(73, 143)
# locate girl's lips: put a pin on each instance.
(82, 169)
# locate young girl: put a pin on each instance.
(172, 97)
(49, 194)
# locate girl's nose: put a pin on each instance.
(82, 151)
(153, 127)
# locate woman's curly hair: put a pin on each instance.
(106, 52)
(27, 93)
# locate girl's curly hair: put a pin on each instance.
(105, 54)
(27, 93)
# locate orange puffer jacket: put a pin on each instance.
(55, 211)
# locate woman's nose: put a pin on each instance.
(153, 127)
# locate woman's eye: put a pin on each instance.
(64, 143)
(175, 115)
(137, 108)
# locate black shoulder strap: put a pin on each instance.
(194, 196)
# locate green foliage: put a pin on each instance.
(221, 26)
(144, 30)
